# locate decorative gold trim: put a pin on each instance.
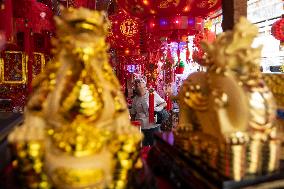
(79, 177)
(24, 61)
(24, 68)
(42, 58)
(1, 70)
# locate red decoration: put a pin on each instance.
(144, 8)
(34, 15)
(198, 53)
(163, 24)
(277, 29)
(169, 29)
(124, 33)
(187, 54)
(28, 49)
(151, 106)
(179, 70)
(15, 77)
(197, 56)
(204, 7)
(168, 67)
(6, 23)
(178, 53)
(169, 103)
(209, 36)
(90, 4)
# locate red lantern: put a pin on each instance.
(124, 33)
(144, 8)
(277, 29)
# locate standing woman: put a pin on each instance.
(140, 110)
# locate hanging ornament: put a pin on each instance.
(187, 53)
(204, 7)
(124, 33)
(277, 29)
(145, 8)
(151, 106)
(180, 68)
(178, 52)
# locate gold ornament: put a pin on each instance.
(228, 110)
(77, 102)
(276, 85)
(129, 27)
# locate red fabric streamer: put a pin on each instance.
(178, 54)
(151, 106)
(187, 53)
(7, 20)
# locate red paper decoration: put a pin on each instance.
(145, 8)
(204, 7)
(124, 33)
(277, 29)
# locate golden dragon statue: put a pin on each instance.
(227, 113)
(77, 132)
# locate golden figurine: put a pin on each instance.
(276, 85)
(88, 140)
(228, 112)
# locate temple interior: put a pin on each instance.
(141, 94)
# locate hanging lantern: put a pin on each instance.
(277, 29)
(124, 33)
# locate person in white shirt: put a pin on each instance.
(140, 110)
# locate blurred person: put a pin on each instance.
(140, 110)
